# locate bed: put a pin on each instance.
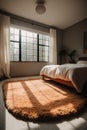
(73, 75)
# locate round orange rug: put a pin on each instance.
(39, 100)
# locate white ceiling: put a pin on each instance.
(59, 13)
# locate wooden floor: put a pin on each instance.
(8, 122)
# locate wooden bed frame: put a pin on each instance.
(82, 58)
(64, 82)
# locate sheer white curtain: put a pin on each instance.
(4, 45)
(53, 47)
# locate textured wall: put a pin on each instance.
(73, 37)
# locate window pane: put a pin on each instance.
(40, 36)
(35, 41)
(46, 43)
(24, 58)
(23, 46)
(40, 41)
(43, 39)
(30, 47)
(23, 33)
(12, 37)
(43, 47)
(40, 58)
(14, 51)
(23, 39)
(29, 58)
(40, 48)
(14, 44)
(16, 31)
(16, 57)
(35, 58)
(40, 53)
(35, 35)
(14, 34)
(29, 34)
(11, 30)
(35, 52)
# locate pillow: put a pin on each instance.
(81, 62)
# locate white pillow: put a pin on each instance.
(82, 62)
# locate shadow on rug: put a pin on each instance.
(37, 100)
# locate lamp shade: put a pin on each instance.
(40, 8)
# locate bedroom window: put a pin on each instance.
(28, 46)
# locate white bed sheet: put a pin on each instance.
(76, 73)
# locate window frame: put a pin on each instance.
(38, 45)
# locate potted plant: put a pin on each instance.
(72, 55)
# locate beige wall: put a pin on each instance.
(73, 37)
(26, 68)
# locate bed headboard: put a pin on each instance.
(82, 59)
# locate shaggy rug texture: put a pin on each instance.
(39, 100)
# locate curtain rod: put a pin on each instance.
(32, 22)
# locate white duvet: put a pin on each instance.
(76, 73)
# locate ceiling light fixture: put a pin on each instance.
(40, 7)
